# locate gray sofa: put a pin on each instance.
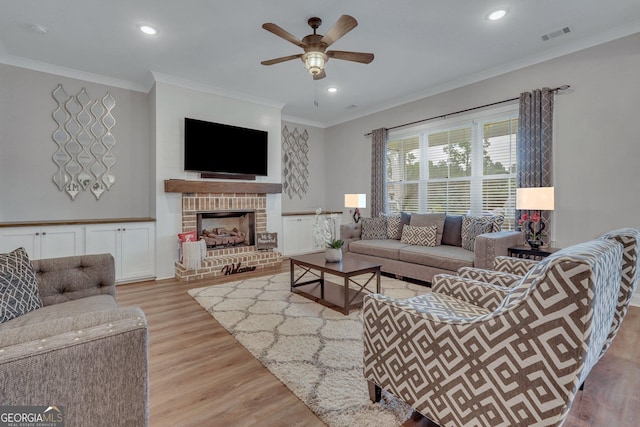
(424, 262)
(80, 350)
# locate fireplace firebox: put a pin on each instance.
(224, 229)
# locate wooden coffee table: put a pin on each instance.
(340, 297)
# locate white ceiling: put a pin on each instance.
(421, 47)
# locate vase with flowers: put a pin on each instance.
(533, 226)
(324, 236)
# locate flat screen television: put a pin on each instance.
(218, 148)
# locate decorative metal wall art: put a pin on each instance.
(84, 139)
(295, 162)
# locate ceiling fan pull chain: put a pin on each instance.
(315, 93)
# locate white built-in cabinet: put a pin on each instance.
(43, 242)
(297, 233)
(132, 244)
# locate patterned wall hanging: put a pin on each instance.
(295, 162)
(84, 139)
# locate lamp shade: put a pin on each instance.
(535, 199)
(355, 200)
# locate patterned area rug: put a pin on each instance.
(315, 351)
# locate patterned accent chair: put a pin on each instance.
(516, 357)
(508, 270)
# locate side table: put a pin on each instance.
(528, 253)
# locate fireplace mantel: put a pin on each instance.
(185, 186)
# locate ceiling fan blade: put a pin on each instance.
(362, 57)
(281, 59)
(345, 24)
(280, 32)
(320, 75)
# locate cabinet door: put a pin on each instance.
(138, 251)
(102, 239)
(298, 235)
(60, 241)
(305, 234)
(21, 237)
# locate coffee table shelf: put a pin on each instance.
(340, 297)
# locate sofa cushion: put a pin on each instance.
(374, 228)
(452, 233)
(476, 228)
(386, 248)
(71, 308)
(422, 236)
(426, 220)
(445, 257)
(495, 220)
(18, 285)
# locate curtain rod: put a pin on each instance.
(444, 116)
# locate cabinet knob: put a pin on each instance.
(37, 234)
(44, 233)
(118, 229)
(124, 229)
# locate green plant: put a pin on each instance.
(336, 244)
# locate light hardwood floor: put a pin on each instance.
(201, 376)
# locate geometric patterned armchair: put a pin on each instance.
(516, 357)
(507, 270)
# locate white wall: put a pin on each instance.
(315, 195)
(596, 145)
(27, 191)
(172, 104)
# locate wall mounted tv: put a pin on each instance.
(224, 149)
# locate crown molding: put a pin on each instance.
(201, 87)
(566, 49)
(302, 121)
(44, 67)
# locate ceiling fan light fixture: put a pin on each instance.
(314, 61)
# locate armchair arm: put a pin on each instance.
(490, 245)
(98, 373)
(512, 265)
(489, 276)
(349, 233)
(481, 294)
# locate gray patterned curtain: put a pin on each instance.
(534, 155)
(378, 171)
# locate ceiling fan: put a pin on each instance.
(315, 45)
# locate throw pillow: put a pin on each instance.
(405, 219)
(393, 225)
(427, 220)
(476, 228)
(422, 236)
(452, 233)
(495, 221)
(18, 285)
(374, 229)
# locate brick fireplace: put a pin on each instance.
(229, 258)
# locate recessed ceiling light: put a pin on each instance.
(497, 14)
(332, 90)
(148, 30)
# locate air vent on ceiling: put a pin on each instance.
(557, 33)
(350, 107)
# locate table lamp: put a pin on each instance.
(355, 201)
(535, 199)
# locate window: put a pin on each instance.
(466, 168)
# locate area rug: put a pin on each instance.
(315, 351)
